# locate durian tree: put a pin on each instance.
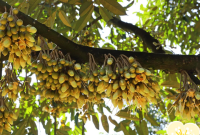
(78, 71)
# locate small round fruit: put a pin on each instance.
(2, 33)
(32, 30)
(12, 24)
(5, 15)
(110, 61)
(3, 21)
(9, 33)
(2, 27)
(13, 30)
(15, 11)
(10, 18)
(22, 28)
(15, 36)
(19, 22)
(131, 59)
(77, 66)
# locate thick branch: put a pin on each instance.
(145, 36)
(171, 63)
(194, 78)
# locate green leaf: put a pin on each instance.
(21, 78)
(76, 119)
(53, 18)
(48, 127)
(63, 18)
(81, 23)
(124, 129)
(33, 5)
(21, 129)
(118, 128)
(63, 130)
(95, 121)
(105, 14)
(162, 106)
(132, 132)
(74, 2)
(100, 108)
(197, 25)
(151, 119)
(171, 112)
(85, 8)
(144, 127)
(72, 111)
(161, 132)
(33, 129)
(127, 115)
(138, 128)
(113, 121)
(142, 7)
(25, 7)
(104, 122)
(108, 46)
(64, 1)
(113, 6)
(36, 13)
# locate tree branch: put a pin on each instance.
(145, 36)
(167, 62)
(194, 78)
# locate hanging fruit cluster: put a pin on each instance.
(188, 99)
(128, 82)
(10, 85)
(61, 79)
(54, 107)
(6, 117)
(16, 40)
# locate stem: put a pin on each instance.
(83, 128)
(55, 125)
